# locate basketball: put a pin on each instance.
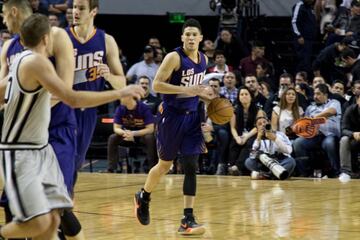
(220, 110)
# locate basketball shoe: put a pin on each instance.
(189, 226)
(142, 208)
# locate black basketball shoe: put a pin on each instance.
(142, 208)
(189, 226)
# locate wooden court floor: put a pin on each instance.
(230, 208)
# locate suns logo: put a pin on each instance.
(89, 61)
(188, 78)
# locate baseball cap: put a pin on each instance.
(351, 42)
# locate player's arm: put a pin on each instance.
(42, 71)
(4, 70)
(113, 71)
(63, 52)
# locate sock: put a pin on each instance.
(145, 195)
(188, 212)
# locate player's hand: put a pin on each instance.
(196, 90)
(103, 70)
(135, 91)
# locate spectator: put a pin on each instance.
(39, 6)
(229, 90)
(243, 131)
(209, 50)
(69, 17)
(133, 124)
(355, 91)
(220, 63)
(4, 36)
(338, 91)
(350, 59)
(53, 20)
(265, 90)
(252, 84)
(286, 113)
(305, 91)
(147, 67)
(248, 65)
(350, 141)
(328, 135)
(264, 74)
(231, 46)
(151, 101)
(159, 56)
(58, 7)
(276, 145)
(354, 25)
(304, 30)
(301, 77)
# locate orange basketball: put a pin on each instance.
(220, 110)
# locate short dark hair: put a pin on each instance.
(338, 81)
(21, 4)
(287, 75)
(348, 52)
(191, 22)
(218, 52)
(34, 29)
(323, 88)
(303, 74)
(355, 82)
(216, 80)
(93, 4)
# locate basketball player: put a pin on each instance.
(179, 128)
(97, 61)
(33, 179)
(63, 123)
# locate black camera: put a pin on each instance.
(268, 127)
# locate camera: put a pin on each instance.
(274, 166)
(268, 127)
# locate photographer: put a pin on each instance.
(271, 153)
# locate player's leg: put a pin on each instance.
(188, 224)
(169, 137)
(193, 144)
(63, 141)
(51, 233)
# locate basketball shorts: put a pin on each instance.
(34, 183)
(179, 133)
(63, 141)
(86, 123)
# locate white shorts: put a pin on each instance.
(34, 183)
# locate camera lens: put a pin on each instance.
(268, 127)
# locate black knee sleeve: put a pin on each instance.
(70, 224)
(189, 165)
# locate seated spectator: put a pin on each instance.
(286, 113)
(229, 90)
(39, 6)
(338, 91)
(305, 90)
(220, 63)
(58, 7)
(355, 91)
(301, 77)
(265, 90)
(231, 46)
(328, 135)
(276, 145)
(317, 80)
(285, 81)
(252, 84)
(151, 101)
(69, 17)
(352, 61)
(147, 67)
(248, 65)
(133, 124)
(221, 135)
(243, 131)
(264, 74)
(209, 50)
(350, 140)
(54, 20)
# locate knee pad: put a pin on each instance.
(70, 224)
(189, 166)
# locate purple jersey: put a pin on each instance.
(135, 119)
(88, 56)
(189, 74)
(61, 114)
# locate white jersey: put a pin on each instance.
(27, 113)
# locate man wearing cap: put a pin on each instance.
(146, 67)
